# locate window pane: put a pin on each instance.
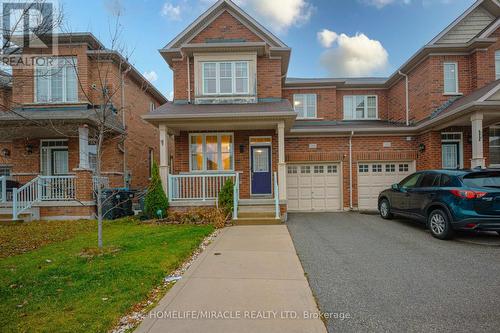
(225, 75)
(497, 65)
(372, 106)
(241, 69)
(209, 78)
(430, 180)
(311, 106)
(360, 107)
(241, 85)
(211, 152)
(71, 84)
(209, 70)
(411, 181)
(348, 107)
(56, 84)
(450, 80)
(226, 145)
(42, 84)
(298, 104)
(196, 149)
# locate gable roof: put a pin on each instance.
(212, 13)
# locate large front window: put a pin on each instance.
(305, 105)
(360, 107)
(211, 152)
(494, 146)
(225, 78)
(57, 82)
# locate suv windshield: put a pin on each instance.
(483, 179)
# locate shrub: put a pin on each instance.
(226, 196)
(155, 200)
(213, 216)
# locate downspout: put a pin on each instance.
(189, 79)
(350, 170)
(407, 98)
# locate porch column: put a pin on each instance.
(477, 140)
(164, 157)
(83, 146)
(281, 161)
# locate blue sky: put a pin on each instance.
(358, 37)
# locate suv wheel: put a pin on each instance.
(439, 224)
(385, 209)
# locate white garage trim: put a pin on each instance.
(329, 197)
(376, 176)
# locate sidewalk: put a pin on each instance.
(251, 279)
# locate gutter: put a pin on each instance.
(407, 100)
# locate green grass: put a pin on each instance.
(57, 289)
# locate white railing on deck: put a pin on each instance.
(3, 189)
(197, 186)
(276, 196)
(42, 188)
(236, 196)
(103, 181)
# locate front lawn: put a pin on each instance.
(65, 287)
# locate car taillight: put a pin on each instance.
(467, 194)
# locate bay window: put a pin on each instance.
(360, 107)
(225, 78)
(211, 152)
(305, 105)
(57, 82)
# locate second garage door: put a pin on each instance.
(313, 187)
(375, 177)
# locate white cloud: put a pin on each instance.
(171, 11)
(355, 55)
(382, 3)
(151, 76)
(327, 37)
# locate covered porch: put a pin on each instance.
(203, 146)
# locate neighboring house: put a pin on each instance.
(47, 140)
(334, 143)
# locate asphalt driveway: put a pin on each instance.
(394, 276)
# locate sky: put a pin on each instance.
(329, 38)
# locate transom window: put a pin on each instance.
(450, 70)
(360, 107)
(225, 78)
(390, 168)
(363, 168)
(305, 105)
(332, 169)
(403, 167)
(211, 152)
(495, 146)
(377, 168)
(292, 169)
(305, 169)
(56, 82)
(319, 169)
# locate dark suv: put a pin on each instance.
(446, 200)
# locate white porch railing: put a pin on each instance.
(236, 196)
(276, 196)
(42, 188)
(197, 186)
(3, 189)
(102, 181)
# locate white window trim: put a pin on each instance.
(497, 68)
(366, 108)
(217, 78)
(305, 106)
(219, 152)
(460, 146)
(492, 165)
(74, 62)
(456, 92)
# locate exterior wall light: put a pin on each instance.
(421, 148)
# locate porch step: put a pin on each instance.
(256, 221)
(256, 202)
(257, 209)
(257, 214)
(29, 215)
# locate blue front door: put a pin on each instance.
(261, 169)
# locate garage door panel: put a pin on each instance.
(374, 177)
(313, 187)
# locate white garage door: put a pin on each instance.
(313, 187)
(375, 177)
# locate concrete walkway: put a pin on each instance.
(249, 280)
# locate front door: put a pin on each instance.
(261, 169)
(450, 155)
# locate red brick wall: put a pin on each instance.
(226, 26)
(268, 78)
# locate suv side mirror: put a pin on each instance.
(395, 187)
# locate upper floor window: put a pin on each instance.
(225, 78)
(360, 107)
(497, 64)
(305, 105)
(56, 82)
(450, 70)
(152, 106)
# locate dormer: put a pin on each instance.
(228, 57)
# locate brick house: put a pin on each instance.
(320, 144)
(47, 127)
